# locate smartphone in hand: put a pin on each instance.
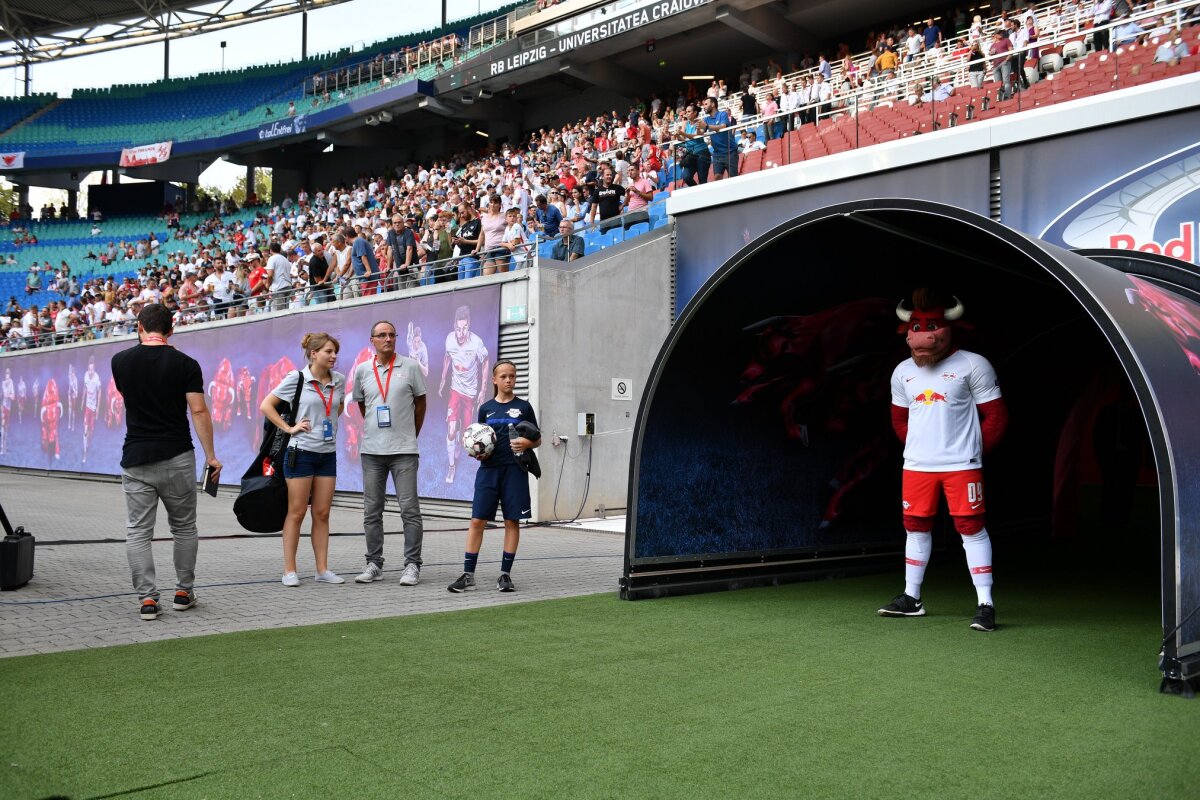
(209, 482)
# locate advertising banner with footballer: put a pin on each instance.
(61, 410)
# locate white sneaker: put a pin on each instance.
(371, 573)
(329, 576)
(291, 579)
(411, 575)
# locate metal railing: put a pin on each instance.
(399, 62)
(850, 110)
(420, 274)
(1058, 27)
(493, 31)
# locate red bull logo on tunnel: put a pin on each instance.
(1150, 209)
(929, 397)
(1182, 248)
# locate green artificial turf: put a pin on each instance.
(795, 691)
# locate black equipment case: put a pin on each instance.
(16, 556)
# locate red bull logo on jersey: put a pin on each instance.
(929, 397)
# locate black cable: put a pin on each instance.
(263, 581)
(558, 485)
(219, 537)
(1175, 630)
(587, 484)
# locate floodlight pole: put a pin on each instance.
(166, 57)
(303, 35)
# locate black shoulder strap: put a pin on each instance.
(296, 397)
(8, 529)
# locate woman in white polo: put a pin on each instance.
(310, 466)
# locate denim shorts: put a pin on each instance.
(310, 465)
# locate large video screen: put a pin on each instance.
(60, 409)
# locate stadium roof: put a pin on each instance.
(38, 30)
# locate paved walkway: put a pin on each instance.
(81, 595)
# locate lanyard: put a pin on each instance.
(383, 389)
(328, 403)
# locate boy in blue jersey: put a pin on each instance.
(500, 480)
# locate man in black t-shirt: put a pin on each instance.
(160, 385)
(606, 201)
(319, 275)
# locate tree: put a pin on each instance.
(262, 187)
(9, 199)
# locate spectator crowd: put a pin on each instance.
(484, 212)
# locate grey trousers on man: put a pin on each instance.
(375, 471)
(173, 481)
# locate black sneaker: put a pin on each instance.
(465, 583)
(903, 605)
(149, 608)
(184, 601)
(505, 583)
(985, 619)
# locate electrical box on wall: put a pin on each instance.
(587, 423)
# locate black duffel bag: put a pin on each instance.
(261, 505)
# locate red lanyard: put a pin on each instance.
(328, 403)
(383, 389)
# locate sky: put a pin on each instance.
(270, 41)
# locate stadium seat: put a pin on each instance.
(1051, 62)
(637, 230)
(609, 238)
(1073, 51)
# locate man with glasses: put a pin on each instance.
(569, 247)
(390, 392)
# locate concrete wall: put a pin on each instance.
(604, 317)
(344, 165)
(551, 111)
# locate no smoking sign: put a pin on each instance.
(622, 389)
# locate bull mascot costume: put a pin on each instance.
(948, 413)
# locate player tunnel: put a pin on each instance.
(763, 450)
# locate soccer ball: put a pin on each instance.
(479, 440)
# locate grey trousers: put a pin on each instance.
(375, 471)
(174, 482)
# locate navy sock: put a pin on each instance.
(506, 561)
(469, 562)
